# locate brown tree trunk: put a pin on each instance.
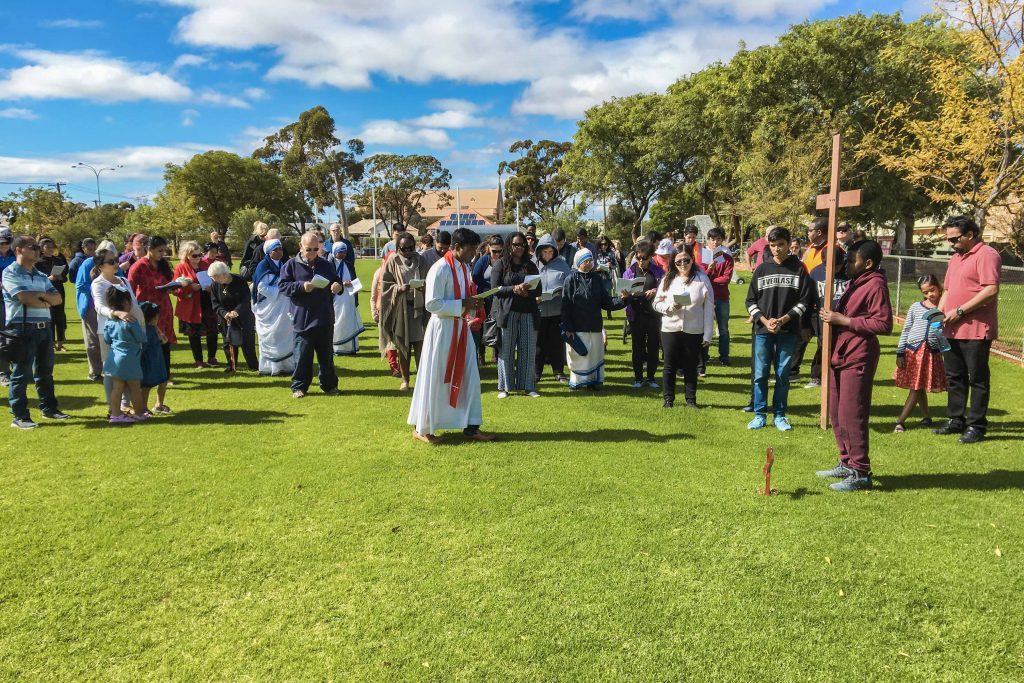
(905, 236)
(340, 193)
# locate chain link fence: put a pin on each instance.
(903, 272)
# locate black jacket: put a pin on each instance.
(777, 289)
(584, 296)
(506, 300)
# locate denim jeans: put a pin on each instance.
(769, 349)
(38, 361)
(319, 341)
(722, 319)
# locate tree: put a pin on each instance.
(39, 210)
(220, 183)
(535, 185)
(242, 222)
(99, 223)
(308, 154)
(674, 206)
(400, 183)
(616, 153)
(960, 140)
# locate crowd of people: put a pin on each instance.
(533, 302)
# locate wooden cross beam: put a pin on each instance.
(833, 201)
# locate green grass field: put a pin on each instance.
(251, 536)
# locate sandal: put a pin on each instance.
(899, 428)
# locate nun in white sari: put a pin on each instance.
(273, 319)
(447, 391)
(584, 297)
(347, 323)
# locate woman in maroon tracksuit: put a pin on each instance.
(861, 315)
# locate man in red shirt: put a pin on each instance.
(755, 252)
(970, 302)
(720, 272)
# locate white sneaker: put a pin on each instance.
(533, 394)
(637, 385)
(23, 424)
(652, 384)
(502, 394)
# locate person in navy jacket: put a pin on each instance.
(312, 311)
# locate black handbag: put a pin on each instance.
(491, 333)
(14, 343)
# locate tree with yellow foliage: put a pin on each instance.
(962, 139)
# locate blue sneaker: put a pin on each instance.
(782, 423)
(840, 471)
(757, 422)
(854, 482)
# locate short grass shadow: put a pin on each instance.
(963, 481)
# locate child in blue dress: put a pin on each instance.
(123, 364)
(154, 367)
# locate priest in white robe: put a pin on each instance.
(273, 321)
(447, 391)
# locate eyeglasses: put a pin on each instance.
(111, 262)
(842, 230)
(684, 262)
(30, 246)
(407, 249)
(518, 245)
(195, 255)
(954, 240)
(496, 252)
(643, 258)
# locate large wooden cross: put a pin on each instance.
(833, 201)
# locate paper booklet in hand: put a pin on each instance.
(356, 286)
(489, 292)
(682, 299)
(57, 270)
(416, 283)
(532, 281)
(319, 281)
(551, 294)
(626, 284)
(203, 279)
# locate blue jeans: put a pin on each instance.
(769, 349)
(319, 341)
(722, 319)
(38, 360)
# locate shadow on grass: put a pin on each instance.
(970, 481)
(204, 416)
(596, 435)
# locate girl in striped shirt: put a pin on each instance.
(919, 366)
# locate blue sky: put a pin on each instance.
(142, 83)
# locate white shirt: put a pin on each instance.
(696, 318)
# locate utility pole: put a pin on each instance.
(97, 173)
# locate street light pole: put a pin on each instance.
(97, 172)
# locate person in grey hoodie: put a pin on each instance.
(553, 271)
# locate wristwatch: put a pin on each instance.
(960, 312)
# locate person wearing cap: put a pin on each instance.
(270, 307)
(583, 299)
(28, 297)
(347, 323)
(531, 243)
(53, 264)
(438, 249)
(663, 254)
(6, 259)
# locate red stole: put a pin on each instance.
(460, 335)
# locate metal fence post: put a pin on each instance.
(899, 284)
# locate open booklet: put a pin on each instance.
(319, 281)
(682, 299)
(551, 294)
(629, 285)
(416, 283)
(57, 270)
(356, 286)
(204, 279)
(532, 281)
(489, 292)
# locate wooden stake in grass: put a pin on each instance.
(769, 460)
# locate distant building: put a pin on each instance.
(484, 201)
(465, 218)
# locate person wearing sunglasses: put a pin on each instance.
(686, 300)
(191, 319)
(28, 297)
(971, 304)
(516, 314)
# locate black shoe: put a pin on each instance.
(949, 428)
(972, 435)
(669, 403)
(692, 404)
(56, 415)
(724, 362)
(926, 422)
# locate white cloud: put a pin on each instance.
(72, 23)
(142, 163)
(453, 104)
(87, 75)
(96, 77)
(188, 117)
(390, 133)
(486, 41)
(16, 113)
(188, 60)
(255, 94)
(449, 119)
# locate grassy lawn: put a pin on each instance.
(254, 537)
